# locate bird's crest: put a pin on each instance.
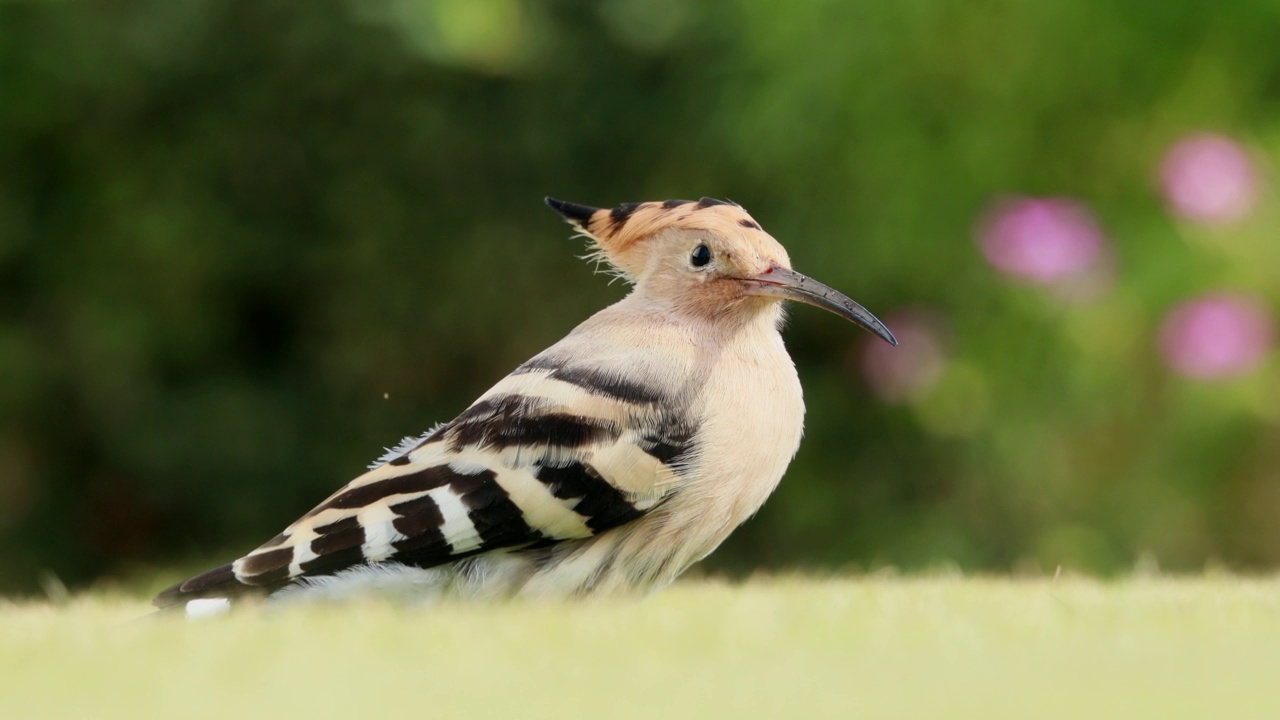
(617, 234)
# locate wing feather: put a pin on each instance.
(549, 454)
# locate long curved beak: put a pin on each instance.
(787, 284)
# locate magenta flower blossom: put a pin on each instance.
(1041, 240)
(1217, 335)
(903, 373)
(1208, 178)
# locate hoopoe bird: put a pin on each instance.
(607, 464)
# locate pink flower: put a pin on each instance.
(1043, 240)
(1208, 178)
(1217, 335)
(903, 373)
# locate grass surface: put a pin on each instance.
(781, 648)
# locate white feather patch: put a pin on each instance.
(406, 444)
(302, 553)
(207, 607)
(470, 463)
(379, 532)
(458, 530)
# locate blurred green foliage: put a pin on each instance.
(245, 242)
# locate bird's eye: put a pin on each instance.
(701, 256)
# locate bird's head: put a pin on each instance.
(706, 257)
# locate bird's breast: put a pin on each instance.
(751, 422)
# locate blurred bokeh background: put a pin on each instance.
(246, 243)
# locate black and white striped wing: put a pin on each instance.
(547, 455)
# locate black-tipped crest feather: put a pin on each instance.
(577, 214)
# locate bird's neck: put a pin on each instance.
(710, 317)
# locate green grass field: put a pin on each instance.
(868, 647)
